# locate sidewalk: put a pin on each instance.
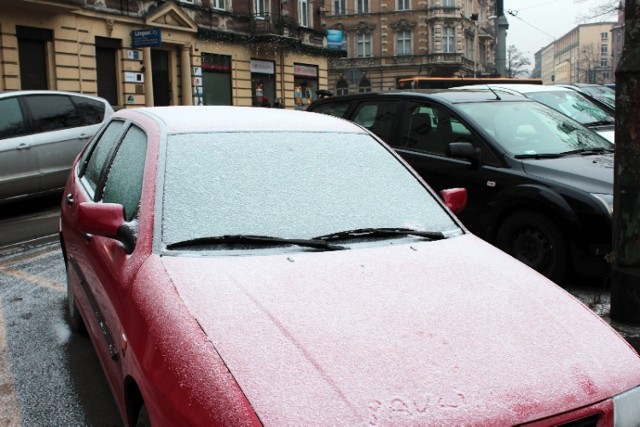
(599, 302)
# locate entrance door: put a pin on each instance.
(160, 75)
(32, 54)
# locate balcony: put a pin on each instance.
(268, 23)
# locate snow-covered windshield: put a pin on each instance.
(290, 185)
(529, 128)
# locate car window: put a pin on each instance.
(52, 112)
(530, 128)
(431, 128)
(92, 110)
(98, 155)
(123, 184)
(336, 109)
(11, 120)
(249, 183)
(574, 105)
(378, 117)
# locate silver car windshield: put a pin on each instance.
(530, 128)
(574, 105)
(289, 185)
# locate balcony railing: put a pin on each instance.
(268, 23)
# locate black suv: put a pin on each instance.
(540, 184)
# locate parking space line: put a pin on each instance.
(10, 414)
(33, 279)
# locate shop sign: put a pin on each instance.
(263, 67)
(334, 39)
(305, 70)
(146, 38)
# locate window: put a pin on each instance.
(403, 43)
(378, 116)
(431, 129)
(342, 87)
(99, 154)
(362, 6)
(260, 7)
(219, 4)
(364, 86)
(339, 7)
(449, 40)
(11, 121)
(448, 3)
(303, 13)
(364, 45)
(604, 50)
(49, 113)
(124, 181)
(403, 4)
(604, 62)
(604, 36)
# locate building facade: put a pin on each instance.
(583, 55)
(181, 52)
(390, 39)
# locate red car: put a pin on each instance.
(239, 266)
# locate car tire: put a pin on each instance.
(73, 315)
(143, 417)
(535, 240)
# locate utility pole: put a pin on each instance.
(625, 256)
(501, 38)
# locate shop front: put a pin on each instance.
(263, 83)
(305, 84)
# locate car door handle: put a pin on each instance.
(23, 146)
(70, 199)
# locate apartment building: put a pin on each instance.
(389, 39)
(179, 52)
(583, 55)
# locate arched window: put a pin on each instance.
(364, 86)
(342, 87)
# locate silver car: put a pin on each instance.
(41, 133)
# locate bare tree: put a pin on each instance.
(605, 9)
(517, 63)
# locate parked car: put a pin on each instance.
(601, 94)
(540, 184)
(41, 133)
(572, 103)
(238, 266)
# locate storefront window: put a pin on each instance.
(263, 83)
(305, 85)
(216, 80)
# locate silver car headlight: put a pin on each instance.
(626, 408)
(606, 200)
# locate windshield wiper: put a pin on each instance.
(378, 232)
(588, 151)
(600, 123)
(538, 156)
(581, 151)
(247, 239)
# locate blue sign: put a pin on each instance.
(146, 38)
(334, 39)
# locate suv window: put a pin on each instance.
(337, 109)
(52, 112)
(430, 129)
(378, 117)
(11, 120)
(92, 111)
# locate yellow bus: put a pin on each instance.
(423, 82)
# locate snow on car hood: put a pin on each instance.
(421, 333)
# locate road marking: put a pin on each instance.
(10, 414)
(7, 269)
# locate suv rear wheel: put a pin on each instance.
(536, 241)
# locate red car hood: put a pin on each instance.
(426, 333)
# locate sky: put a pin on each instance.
(537, 23)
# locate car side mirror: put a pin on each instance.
(455, 199)
(106, 220)
(464, 150)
